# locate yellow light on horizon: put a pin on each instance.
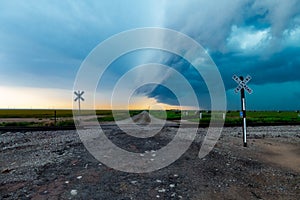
(52, 98)
(27, 97)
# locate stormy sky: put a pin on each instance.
(43, 44)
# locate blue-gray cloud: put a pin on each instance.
(260, 38)
(43, 43)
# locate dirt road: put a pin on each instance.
(56, 165)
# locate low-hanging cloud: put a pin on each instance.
(260, 38)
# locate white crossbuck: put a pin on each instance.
(79, 96)
(242, 84)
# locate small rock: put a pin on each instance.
(142, 154)
(133, 182)
(74, 162)
(5, 171)
(157, 196)
(162, 190)
(158, 181)
(175, 175)
(67, 182)
(172, 185)
(79, 177)
(74, 192)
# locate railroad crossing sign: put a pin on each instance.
(79, 97)
(241, 88)
(242, 84)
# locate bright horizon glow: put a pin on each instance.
(34, 98)
(48, 98)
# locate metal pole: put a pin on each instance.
(54, 117)
(243, 103)
(79, 105)
(79, 102)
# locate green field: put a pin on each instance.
(44, 113)
(65, 116)
(265, 117)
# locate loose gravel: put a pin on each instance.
(56, 165)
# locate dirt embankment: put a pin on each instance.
(279, 152)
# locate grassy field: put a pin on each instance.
(44, 113)
(254, 117)
(64, 117)
(232, 117)
(266, 117)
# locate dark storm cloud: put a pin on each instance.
(260, 38)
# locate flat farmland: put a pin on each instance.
(46, 117)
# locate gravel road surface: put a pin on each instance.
(56, 165)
